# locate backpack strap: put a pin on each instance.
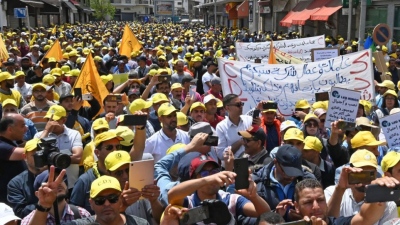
(75, 210)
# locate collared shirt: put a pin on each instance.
(349, 206)
(228, 134)
(65, 142)
(25, 90)
(159, 143)
(287, 189)
(67, 216)
(63, 89)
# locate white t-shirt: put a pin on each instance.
(206, 78)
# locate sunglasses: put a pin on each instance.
(311, 124)
(110, 147)
(112, 199)
(205, 173)
(239, 104)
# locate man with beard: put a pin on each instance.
(197, 111)
(37, 108)
(65, 212)
(205, 181)
(60, 86)
(345, 199)
(106, 201)
(176, 92)
(74, 121)
(26, 67)
(163, 139)
(6, 91)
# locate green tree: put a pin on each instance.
(102, 8)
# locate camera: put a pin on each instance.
(48, 154)
(209, 211)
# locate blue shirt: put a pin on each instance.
(31, 131)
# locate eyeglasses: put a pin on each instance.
(239, 104)
(205, 173)
(112, 199)
(119, 173)
(311, 124)
(110, 147)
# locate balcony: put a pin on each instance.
(143, 2)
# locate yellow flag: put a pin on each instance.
(55, 51)
(54, 30)
(3, 51)
(272, 58)
(129, 42)
(33, 40)
(90, 82)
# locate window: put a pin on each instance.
(376, 15)
(179, 3)
(128, 1)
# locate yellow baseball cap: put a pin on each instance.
(106, 78)
(162, 57)
(176, 86)
(312, 143)
(197, 104)
(103, 183)
(57, 112)
(125, 133)
(302, 104)
(48, 79)
(159, 97)
(9, 101)
(39, 85)
(175, 147)
(105, 136)
(320, 105)
(387, 84)
(56, 72)
(97, 58)
(390, 160)
(74, 73)
(197, 59)
(31, 144)
(116, 159)
(6, 76)
(311, 116)
(166, 109)
(73, 53)
(390, 92)
(100, 123)
(153, 72)
(139, 104)
(19, 73)
(182, 119)
(363, 157)
(52, 59)
(294, 134)
(365, 138)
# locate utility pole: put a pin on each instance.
(361, 30)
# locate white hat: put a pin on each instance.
(7, 214)
(208, 98)
(286, 124)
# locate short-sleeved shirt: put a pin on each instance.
(159, 143)
(130, 220)
(207, 77)
(8, 169)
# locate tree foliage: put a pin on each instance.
(102, 9)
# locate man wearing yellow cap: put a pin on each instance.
(20, 85)
(106, 200)
(150, 208)
(21, 194)
(391, 167)
(158, 144)
(104, 143)
(6, 91)
(37, 108)
(143, 106)
(67, 139)
(346, 200)
(60, 86)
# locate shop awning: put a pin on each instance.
(74, 2)
(243, 9)
(326, 11)
(287, 21)
(312, 8)
(71, 6)
(34, 4)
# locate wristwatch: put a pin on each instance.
(41, 208)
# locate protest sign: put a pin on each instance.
(390, 127)
(286, 58)
(286, 84)
(318, 54)
(298, 48)
(343, 105)
(120, 78)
